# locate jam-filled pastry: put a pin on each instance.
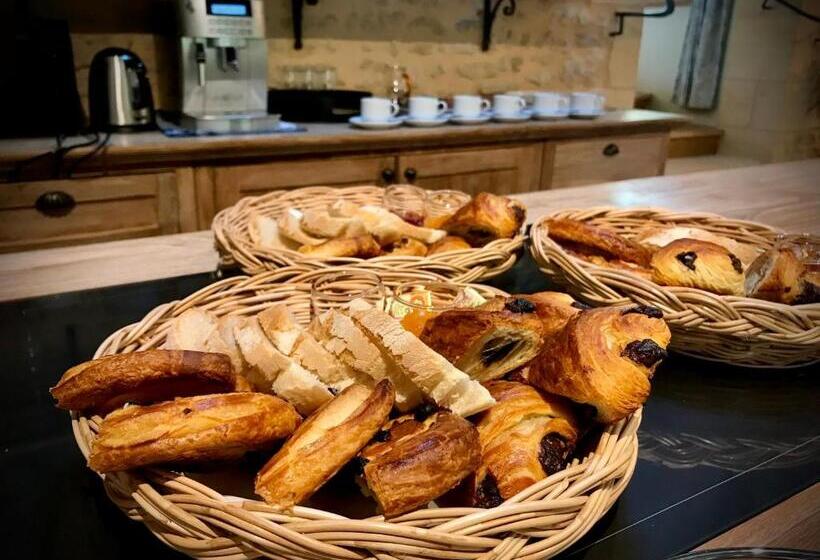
(413, 460)
(485, 218)
(692, 263)
(486, 343)
(604, 358)
(527, 436)
(586, 239)
(323, 444)
(109, 382)
(191, 429)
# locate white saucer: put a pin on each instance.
(576, 115)
(435, 121)
(375, 125)
(549, 116)
(482, 117)
(523, 115)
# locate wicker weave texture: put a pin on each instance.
(738, 330)
(233, 239)
(197, 520)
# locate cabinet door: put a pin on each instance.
(500, 170)
(231, 183)
(74, 211)
(598, 160)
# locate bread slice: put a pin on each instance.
(225, 329)
(388, 228)
(334, 372)
(342, 208)
(280, 327)
(437, 378)
(265, 233)
(191, 331)
(272, 371)
(345, 341)
(319, 223)
(290, 225)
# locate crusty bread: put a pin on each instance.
(388, 228)
(437, 378)
(280, 327)
(361, 247)
(319, 223)
(265, 233)
(297, 385)
(191, 331)
(315, 358)
(343, 208)
(290, 225)
(348, 343)
(225, 328)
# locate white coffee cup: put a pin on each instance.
(469, 105)
(422, 107)
(551, 103)
(586, 103)
(508, 105)
(378, 109)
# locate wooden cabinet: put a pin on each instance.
(230, 183)
(611, 158)
(73, 211)
(502, 170)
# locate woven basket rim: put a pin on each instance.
(539, 522)
(233, 241)
(694, 315)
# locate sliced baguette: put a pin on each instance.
(191, 331)
(280, 327)
(342, 338)
(437, 378)
(264, 232)
(388, 228)
(315, 358)
(225, 329)
(319, 223)
(290, 225)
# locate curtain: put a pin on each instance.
(701, 60)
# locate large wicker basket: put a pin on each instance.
(233, 239)
(198, 520)
(738, 330)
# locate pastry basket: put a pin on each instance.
(737, 330)
(236, 247)
(195, 518)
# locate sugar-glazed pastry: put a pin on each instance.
(323, 444)
(485, 218)
(109, 382)
(692, 263)
(486, 343)
(414, 460)
(527, 436)
(604, 358)
(191, 429)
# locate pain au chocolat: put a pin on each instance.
(107, 383)
(485, 218)
(191, 429)
(604, 358)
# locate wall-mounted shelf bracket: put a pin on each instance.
(670, 7)
(489, 14)
(297, 6)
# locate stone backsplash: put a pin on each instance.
(547, 44)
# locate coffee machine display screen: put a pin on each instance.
(241, 8)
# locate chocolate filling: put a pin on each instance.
(736, 264)
(491, 354)
(333, 391)
(423, 411)
(553, 454)
(519, 305)
(358, 464)
(186, 411)
(688, 259)
(478, 236)
(647, 310)
(519, 214)
(487, 494)
(382, 436)
(645, 352)
(579, 305)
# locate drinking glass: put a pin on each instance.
(335, 290)
(414, 303)
(440, 205)
(406, 201)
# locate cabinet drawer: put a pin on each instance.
(50, 213)
(612, 158)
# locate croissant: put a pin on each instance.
(107, 383)
(323, 444)
(202, 428)
(587, 239)
(411, 461)
(784, 273)
(449, 243)
(363, 247)
(527, 436)
(553, 309)
(604, 358)
(485, 218)
(486, 343)
(407, 246)
(698, 264)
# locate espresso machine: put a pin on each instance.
(223, 66)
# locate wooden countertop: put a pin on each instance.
(155, 149)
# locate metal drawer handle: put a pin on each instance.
(55, 203)
(388, 175)
(611, 150)
(410, 174)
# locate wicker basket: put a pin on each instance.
(201, 522)
(738, 330)
(230, 227)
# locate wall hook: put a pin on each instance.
(490, 12)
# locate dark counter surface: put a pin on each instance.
(718, 444)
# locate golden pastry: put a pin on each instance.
(586, 239)
(449, 243)
(788, 273)
(485, 218)
(362, 247)
(407, 246)
(698, 264)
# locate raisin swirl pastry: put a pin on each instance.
(604, 358)
(413, 460)
(692, 263)
(489, 341)
(526, 437)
